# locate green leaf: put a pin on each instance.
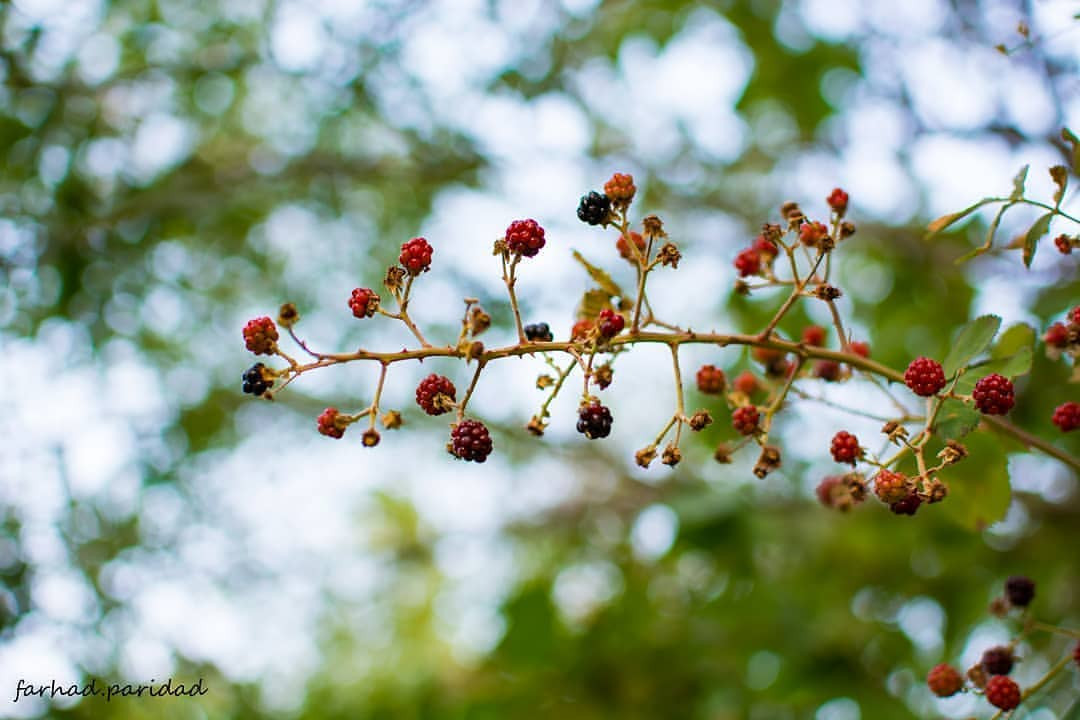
(989, 243)
(955, 420)
(979, 492)
(946, 220)
(1018, 363)
(1031, 240)
(592, 302)
(1018, 183)
(974, 337)
(599, 276)
(1068, 137)
(1013, 340)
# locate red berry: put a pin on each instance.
(891, 487)
(416, 256)
(944, 680)
(862, 349)
(828, 489)
(765, 248)
(525, 237)
(745, 419)
(925, 377)
(328, 425)
(1067, 416)
(470, 440)
(813, 335)
(908, 505)
(436, 394)
(1063, 245)
(711, 380)
(594, 421)
(813, 233)
(620, 188)
(624, 247)
(1002, 692)
(1074, 315)
(610, 323)
(994, 395)
(998, 660)
(581, 329)
(1020, 590)
(364, 302)
(1057, 335)
(845, 447)
(746, 383)
(838, 200)
(1076, 653)
(827, 370)
(260, 336)
(748, 262)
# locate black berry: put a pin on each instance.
(539, 332)
(594, 208)
(470, 440)
(1019, 590)
(255, 381)
(594, 421)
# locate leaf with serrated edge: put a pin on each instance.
(1031, 240)
(955, 420)
(1017, 364)
(974, 337)
(1013, 339)
(600, 277)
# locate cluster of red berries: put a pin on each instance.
(745, 419)
(415, 256)
(624, 247)
(525, 238)
(711, 380)
(260, 336)
(925, 377)
(436, 394)
(620, 189)
(845, 448)
(756, 258)
(363, 302)
(328, 424)
(610, 323)
(1067, 416)
(994, 394)
(1065, 244)
(470, 440)
(895, 489)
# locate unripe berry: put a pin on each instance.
(813, 234)
(748, 262)
(745, 419)
(860, 348)
(624, 247)
(594, 421)
(845, 447)
(944, 680)
(1076, 654)
(594, 209)
(416, 256)
(998, 660)
(364, 303)
(524, 237)
(994, 394)
(813, 335)
(1019, 590)
(581, 329)
(436, 394)
(765, 248)
(908, 505)
(470, 440)
(1057, 335)
(925, 377)
(1067, 416)
(1074, 315)
(328, 424)
(610, 323)
(620, 188)
(827, 370)
(891, 487)
(838, 201)
(1063, 245)
(711, 380)
(260, 336)
(746, 383)
(1003, 692)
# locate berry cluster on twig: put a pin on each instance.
(794, 256)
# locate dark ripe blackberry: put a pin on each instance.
(594, 421)
(1020, 590)
(594, 208)
(998, 660)
(255, 381)
(908, 505)
(470, 440)
(539, 332)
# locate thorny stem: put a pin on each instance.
(680, 338)
(510, 279)
(469, 392)
(563, 374)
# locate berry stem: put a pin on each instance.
(678, 338)
(510, 279)
(563, 374)
(680, 406)
(374, 409)
(403, 313)
(1045, 627)
(643, 272)
(303, 345)
(472, 386)
(796, 292)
